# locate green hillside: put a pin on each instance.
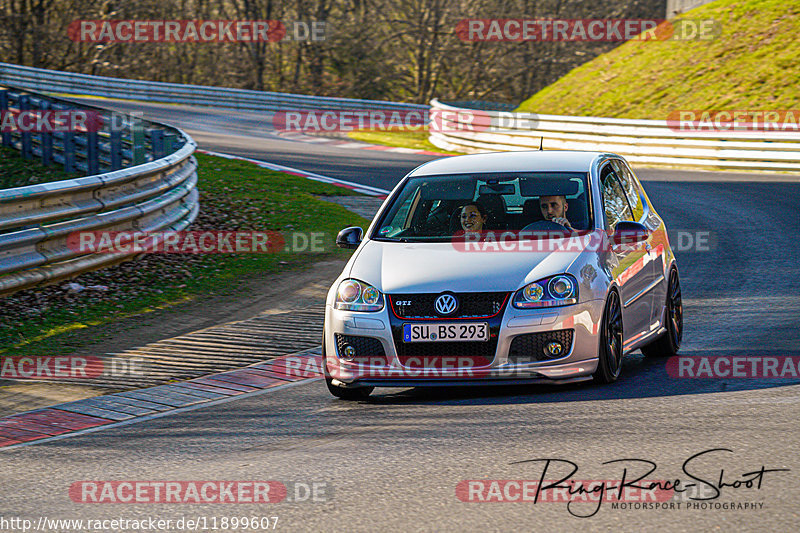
(753, 64)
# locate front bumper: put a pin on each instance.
(387, 370)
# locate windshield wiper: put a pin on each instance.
(391, 239)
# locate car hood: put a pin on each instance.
(394, 267)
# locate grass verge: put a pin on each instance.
(416, 140)
(234, 195)
(18, 172)
(752, 64)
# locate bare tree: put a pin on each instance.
(406, 50)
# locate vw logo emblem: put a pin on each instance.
(446, 304)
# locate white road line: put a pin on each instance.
(366, 189)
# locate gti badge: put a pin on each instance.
(446, 304)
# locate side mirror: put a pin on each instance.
(349, 237)
(628, 232)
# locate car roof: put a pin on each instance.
(526, 161)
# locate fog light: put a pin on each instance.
(553, 349)
(348, 352)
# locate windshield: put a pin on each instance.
(436, 208)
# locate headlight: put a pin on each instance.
(561, 287)
(549, 292)
(353, 295)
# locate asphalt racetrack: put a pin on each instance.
(405, 459)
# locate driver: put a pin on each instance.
(554, 209)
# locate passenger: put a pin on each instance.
(473, 218)
(554, 209)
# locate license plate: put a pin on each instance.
(445, 331)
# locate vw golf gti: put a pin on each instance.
(503, 268)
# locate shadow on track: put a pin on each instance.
(641, 378)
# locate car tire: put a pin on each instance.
(610, 354)
(669, 342)
(354, 394)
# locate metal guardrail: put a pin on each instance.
(54, 81)
(36, 220)
(111, 141)
(650, 142)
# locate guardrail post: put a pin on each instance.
(92, 153)
(157, 140)
(25, 105)
(69, 151)
(138, 149)
(169, 142)
(116, 125)
(46, 140)
(116, 149)
(6, 136)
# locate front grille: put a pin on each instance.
(468, 354)
(530, 347)
(470, 305)
(369, 350)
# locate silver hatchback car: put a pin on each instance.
(503, 268)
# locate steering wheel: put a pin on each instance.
(545, 226)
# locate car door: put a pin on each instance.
(656, 242)
(631, 266)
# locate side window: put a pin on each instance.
(614, 202)
(631, 187)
